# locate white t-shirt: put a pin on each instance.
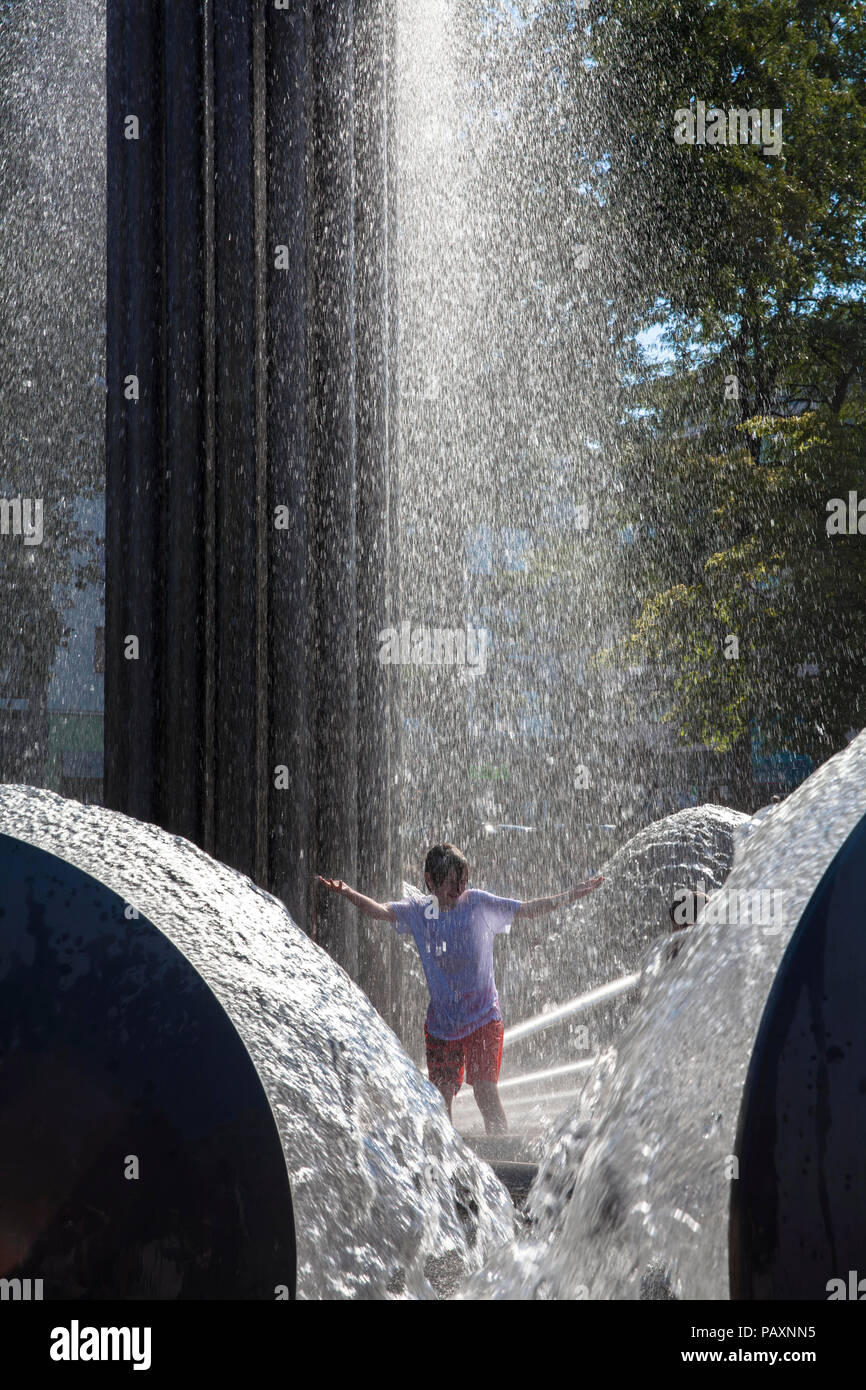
(456, 950)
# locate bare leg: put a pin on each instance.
(488, 1102)
(447, 1092)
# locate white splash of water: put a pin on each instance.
(386, 1196)
(633, 1197)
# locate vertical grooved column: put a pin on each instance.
(394, 863)
(291, 687)
(334, 649)
(238, 445)
(374, 500)
(250, 528)
(184, 481)
(133, 599)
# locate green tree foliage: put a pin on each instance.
(755, 263)
(721, 461)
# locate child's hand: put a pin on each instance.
(336, 885)
(589, 886)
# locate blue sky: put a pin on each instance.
(650, 343)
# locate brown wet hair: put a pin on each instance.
(441, 859)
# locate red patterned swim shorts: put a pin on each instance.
(480, 1054)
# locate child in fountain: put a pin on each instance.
(686, 907)
(454, 929)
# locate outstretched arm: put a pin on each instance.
(369, 908)
(539, 907)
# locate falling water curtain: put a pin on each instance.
(251, 444)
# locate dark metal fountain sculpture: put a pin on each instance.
(798, 1208)
(251, 443)
(139, 1157)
